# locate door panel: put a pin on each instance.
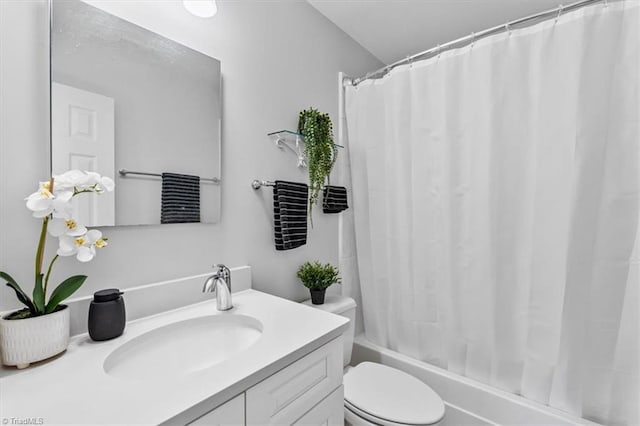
(83, 137)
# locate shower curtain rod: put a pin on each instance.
(474, 37)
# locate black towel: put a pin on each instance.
(180, 198)
(290, 200)
(334, 199)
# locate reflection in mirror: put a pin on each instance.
(125, 98)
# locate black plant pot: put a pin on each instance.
(317, 296)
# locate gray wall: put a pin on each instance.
(166, 103)
(277, 59)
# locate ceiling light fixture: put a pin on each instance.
(201, 8)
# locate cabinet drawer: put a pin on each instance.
(290, 393)
(229, 413)
(329, 412)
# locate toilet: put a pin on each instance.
(375, 394)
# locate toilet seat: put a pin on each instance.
(386, 396)
(360, 415)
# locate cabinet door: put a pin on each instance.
(286, 396)
(231, 413)
(329, 412)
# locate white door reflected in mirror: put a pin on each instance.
(83, 126)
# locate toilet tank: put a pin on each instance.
(346, 307)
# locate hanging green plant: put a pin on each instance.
(321, 152)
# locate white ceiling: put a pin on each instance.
(393, 29)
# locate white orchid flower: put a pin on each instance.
(43, 202)
(83, 246)
(100, 183)
(41, 199)
(93, 239)
(62, 210)
(106, 184)
(67, 180)
(74, 180)
(63, 226)
(69, 245)
(84, 181)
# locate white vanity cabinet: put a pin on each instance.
(231, 413)
(330, 411)
(308, 391)
(287, 395)
(182, 374)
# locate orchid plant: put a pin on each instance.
(52, 204)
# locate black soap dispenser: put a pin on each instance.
(107, 316)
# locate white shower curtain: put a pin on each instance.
(496, 205)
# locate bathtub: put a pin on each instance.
(467, 402)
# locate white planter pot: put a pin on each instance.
(28, 340)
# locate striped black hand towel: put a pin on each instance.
(334, 199)
(290, 201)
(180, 198)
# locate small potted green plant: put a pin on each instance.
(317, 278)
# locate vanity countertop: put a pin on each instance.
(75, 389)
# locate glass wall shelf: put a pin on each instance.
(286, 139)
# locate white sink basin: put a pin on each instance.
(183, 347)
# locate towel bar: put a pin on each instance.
(257, 184)
(125, 172)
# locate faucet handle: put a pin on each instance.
(223, 272)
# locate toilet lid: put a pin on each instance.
(392, 395)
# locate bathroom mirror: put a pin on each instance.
(131, 104)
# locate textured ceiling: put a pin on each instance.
(394, 29)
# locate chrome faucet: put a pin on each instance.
(220, 284)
